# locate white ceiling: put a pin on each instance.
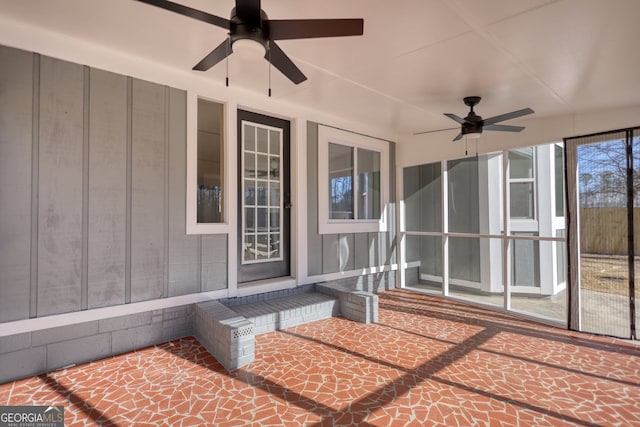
(416, 60)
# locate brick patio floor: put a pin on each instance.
(428, 362)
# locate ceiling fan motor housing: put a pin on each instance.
(249, 28)
(472, 123)
(474, 127)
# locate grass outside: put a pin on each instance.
(605, 273)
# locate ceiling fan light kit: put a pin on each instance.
(249, 24)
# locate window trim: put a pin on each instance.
(334, 226)
(192, 224)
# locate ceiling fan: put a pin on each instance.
(249, 22)
(473, 124)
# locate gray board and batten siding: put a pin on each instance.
(355, 251)
(93, 191)
(92, 214)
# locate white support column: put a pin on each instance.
(231, 166)
(299, 247)
(400, 229)
(489, 179)
(506, 247)
(445, 229)
(545, 195)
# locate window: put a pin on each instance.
(352, 170)
(206, 183)
(522, 183)
(341, 183)
(341, 160)
(209, 162)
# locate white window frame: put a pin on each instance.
(333, 226)
(192, 224)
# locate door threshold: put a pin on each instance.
(266, 285)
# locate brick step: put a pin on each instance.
(228, 330)
(285, 312)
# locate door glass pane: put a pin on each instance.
(262, 192)
(249, 193)
(274, 195)
(274, 241)
(262, 140)
(249, 220)
(274, 142)
(262, 247)
(249, 165)
(249, 137)
(274, 219)
(274, 167)
(262, 201)
(249, 252)
(340, 182)
(262, 219)
(263, 166)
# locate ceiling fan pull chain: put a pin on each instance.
(227, 61)
(268, 47)
(466, 145)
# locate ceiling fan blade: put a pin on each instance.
(189, 12)
(455, 118)
(432, 131)
(249, 11)
(458, 138)
(216, 55)
(287, 29)
(508, 116)
(282, 62)
(504, 128)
